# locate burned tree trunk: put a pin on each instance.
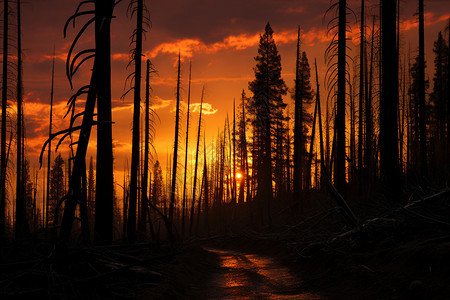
(339, 171)
(196, 163)
(145, 198)
(390, 170)
(298, 127)
(421, 90)
(175, 151)
(4, 113)
(22, 228)
(137, 57)
(183, 213)
(104, 174)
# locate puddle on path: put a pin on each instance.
(251, 276)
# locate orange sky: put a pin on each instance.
(221, 39)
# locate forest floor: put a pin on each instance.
(403, 253)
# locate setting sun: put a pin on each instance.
(238, 175)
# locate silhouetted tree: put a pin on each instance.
(299, 143)
(183, 213)
(362, 93)
(91, 189)
(196, 163)
(175, 151)
(421, 91)
(438, 101)
(339, 171)
(307, 98)
(22, 227)
(136, 6)
(104, 176)
(49, 155)
(3, 162)
(389, 165)
(266, 107)
(147, 140)
(56, 183)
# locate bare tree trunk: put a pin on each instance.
(145, 198)
(104, 174)
(322, 162)
(339, 175)
(175, 154)
(4, 162)
(205, 170)
(22, 227)
(196, 163)
(131, 227)
(390, 170)
(311, 149)
(361, 101)
(75, 189)
(234, 153)
(448, 94)
(83, 208)
(183, 222)
(422, 109)
(298, 127)
(368, 153)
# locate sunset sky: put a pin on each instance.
(221, 39)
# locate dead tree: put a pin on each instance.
(3, 160)
(100, 88)
(183, 213)
(421, 90)
(298, 127)
(196, 163)
(136, 6)
(175, 151)
(49, 155)
(390, 169)
(145, 198)
(22, 227)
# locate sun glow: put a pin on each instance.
(238, 175)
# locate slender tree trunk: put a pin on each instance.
(47, 199)
(175, 153)
(83, 208)
(145, 198)
(311, 149)
(288, 158)
(322, 163)
(75, 188)
(206, 179)
(422, 109)
(361, 101)
(234, 153)
(390, 169)
(22, 227)
(196, 163)
(448, 94)
(104, 175)
(339, 171)
(368, 151)
(183, 222)
(136, 113)
(4, 162)
(298, 126)
(352, 153)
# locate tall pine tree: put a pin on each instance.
(266, 108)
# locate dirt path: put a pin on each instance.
(251, 276)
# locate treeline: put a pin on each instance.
(372, 133)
